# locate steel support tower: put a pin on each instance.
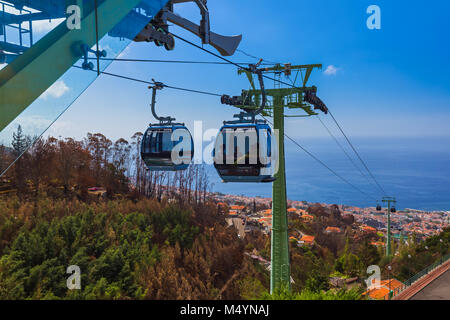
(388, 200)
(282, 98)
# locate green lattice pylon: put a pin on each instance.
(281, 99)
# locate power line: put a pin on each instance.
(356, 152)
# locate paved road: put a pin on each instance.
(439, 289)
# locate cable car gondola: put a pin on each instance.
(166, 146)
(393, 209)
(243, 148)
(378, 207)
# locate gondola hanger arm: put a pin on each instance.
(158, 86)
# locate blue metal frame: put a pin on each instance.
(54, 9)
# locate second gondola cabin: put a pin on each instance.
(243, 153)
(167, 147)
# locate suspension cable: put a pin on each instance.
(343, 149)
(323, 163)
(356, 152)
(227, 60)
(174, 61)
(239, 65)
(219, 95)
(254, 57)
(267, 77)
(290, 85)
(152, 82)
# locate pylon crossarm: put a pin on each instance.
(252, 97)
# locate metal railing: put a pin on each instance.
(416, 277)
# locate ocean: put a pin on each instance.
(414, 170)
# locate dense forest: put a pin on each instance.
(67, 167)
(154, 235)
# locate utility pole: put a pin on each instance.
(281, 98)
(388, 200)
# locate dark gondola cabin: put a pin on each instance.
(393, 209)
(243, 153)
(167, 147)
(378, 207)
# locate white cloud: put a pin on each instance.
(57, 90)
(44, 26)
(60, 128)
(331, 70)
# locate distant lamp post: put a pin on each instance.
(409, 267)
(389, 279)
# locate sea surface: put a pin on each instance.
(414, 170)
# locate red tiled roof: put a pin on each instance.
(394, 284)
(379, 293)
(367, 228)
(308, 239)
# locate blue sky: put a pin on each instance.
(389, 82)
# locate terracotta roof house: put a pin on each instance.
(383, 291)
(368, 229)
(307, 217)
(332, 230)
(309, 240)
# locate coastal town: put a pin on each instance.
(250, 213)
